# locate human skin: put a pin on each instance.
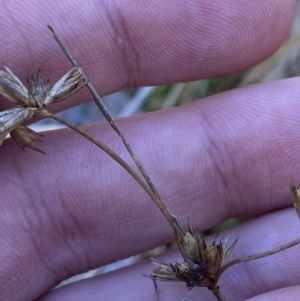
(233, 154)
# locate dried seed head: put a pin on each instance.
(26, 137)
(38, 94)
(31, 102)
(202, 262)
(296, 197)
(12, 118)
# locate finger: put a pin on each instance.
(259, 279)
(231, 155)
(291, 293)
(154, 43)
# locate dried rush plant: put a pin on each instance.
(202, 264)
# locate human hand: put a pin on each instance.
(74, 209)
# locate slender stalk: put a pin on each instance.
(158, 200)
(114, 156)
(257, 256)
(217, 293)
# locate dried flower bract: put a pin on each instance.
(26, 137)
(12, 118)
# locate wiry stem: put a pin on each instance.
(158, 201)
(101, 145)
(112, 154)
(257, 256)
(217, 293)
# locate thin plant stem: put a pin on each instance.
(101, 145)
(158, 200)
(216, 291)
(257, 256)
(112, 154)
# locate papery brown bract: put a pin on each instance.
(38, 90)
(13, 89)
(65, 87)
(26, 137)
(12, 118)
